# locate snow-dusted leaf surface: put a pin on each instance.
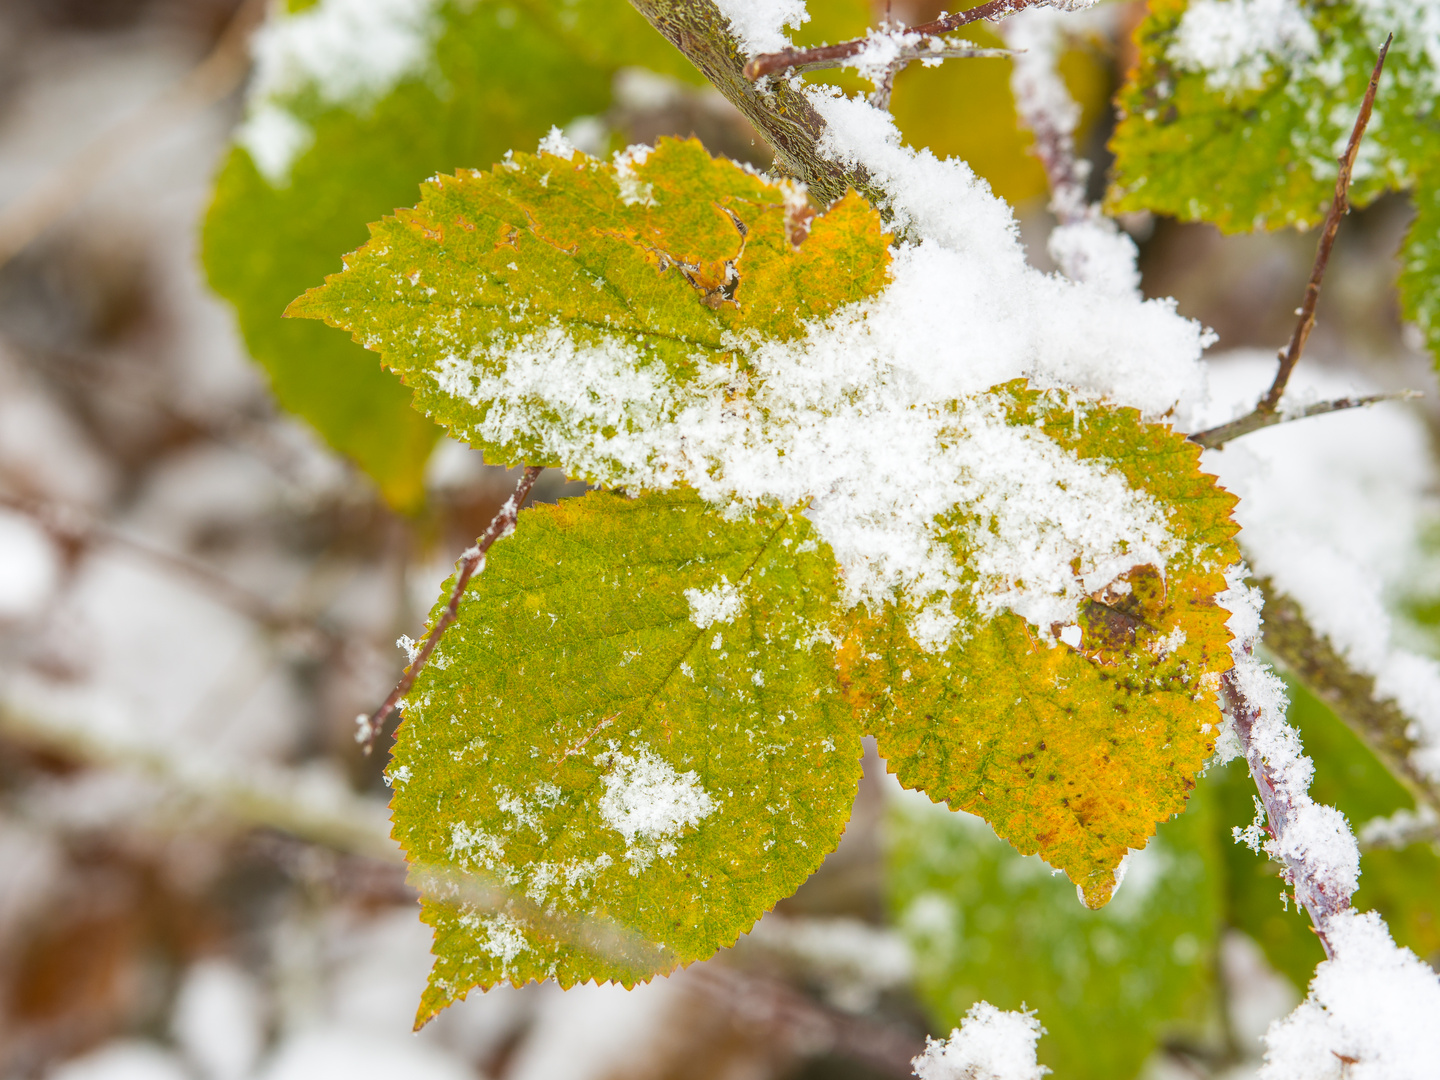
(666, 321)
(1077, 749)
(988, 924)
(1238, 109)
(353, 104)
(630, 746)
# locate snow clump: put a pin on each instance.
(759, 25)
(648, 803)
(989, 1044)
(1235, 42)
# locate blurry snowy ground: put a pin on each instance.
(196, 599)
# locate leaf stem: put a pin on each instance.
(1218, 436)
(502, 524)
(824, 56)
(1339, 206)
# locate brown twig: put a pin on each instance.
(209, 81)
(825, 56)
(470, 563)
(783, 115)
(1218, 436)
(1338, 208)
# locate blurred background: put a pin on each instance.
(198, 596)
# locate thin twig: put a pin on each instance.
(1311, 893)
(75, 527)
(1212, 438)
(834, 55)
(502, 524)
(1338, 208)
(214, 78)
(926, 49)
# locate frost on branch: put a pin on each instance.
(1371, 1008)
(989, 1044)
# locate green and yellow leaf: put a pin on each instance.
(630, 745)
(1074, 750)
(1255, 145)
(664, 254)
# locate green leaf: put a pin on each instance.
(986, 923)
(1074, 752)
(1256, 147)
(634, 725)
(663, 255)
(496, 76)
(1403, 885)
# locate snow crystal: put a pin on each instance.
(1235, 41)
(648, 803)
(721, 602)
(989, 1044)
(1371, 1013)
(881, 51)
(348, 51)
(504, 937)
(555, 142)
(759, 25)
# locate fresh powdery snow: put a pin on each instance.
(648, 803)
(719, 603)
(348, 51)
(840, 419)
(989, 1044)
(759, 25)
(1235, 42)
(1373, 1012)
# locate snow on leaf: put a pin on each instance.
(1237, 110)
(600, 760)
(1073, 752)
